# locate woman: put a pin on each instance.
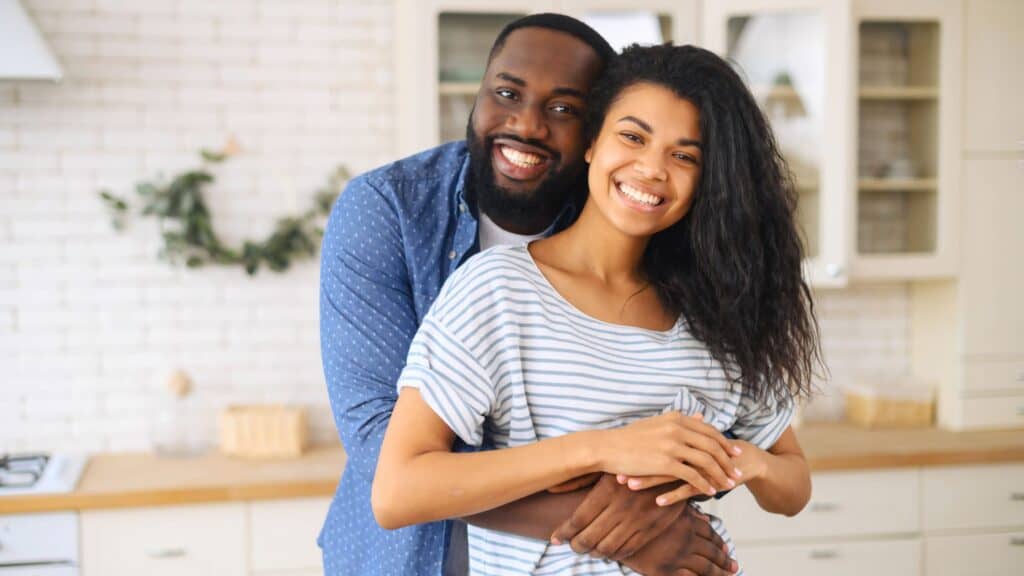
(671, 310)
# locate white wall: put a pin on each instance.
(90, 321)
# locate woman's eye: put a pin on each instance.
(632, 137)
(686, 158)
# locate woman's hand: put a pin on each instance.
(683, 447)
(751, 462)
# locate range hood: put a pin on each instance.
(23, 51)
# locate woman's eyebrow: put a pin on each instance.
(647, 128)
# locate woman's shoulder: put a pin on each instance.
(495, 264)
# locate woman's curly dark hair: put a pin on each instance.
(732, 265)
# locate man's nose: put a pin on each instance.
(528, 122)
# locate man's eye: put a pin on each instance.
(506, 93)
(565, 109)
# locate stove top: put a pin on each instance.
(40, 473)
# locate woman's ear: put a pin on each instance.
(588, 154)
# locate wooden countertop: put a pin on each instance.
(132, 480)
(144, 479)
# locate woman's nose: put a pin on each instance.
(650, 168)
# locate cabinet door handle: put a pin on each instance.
(161, 553)
(1017, 541)
(824, 554)
(824, 506)
(1017, 496)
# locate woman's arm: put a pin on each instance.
(419, 479)
(779, 478)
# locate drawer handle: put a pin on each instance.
(1017, 496)
(167, 553)
(824, 506)
(824, 554)
(1016, 541)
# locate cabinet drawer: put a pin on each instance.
(193, 540)
(973, 497)
(284, 534)
(979, 555)
(878, 558)
(22, 535)
(994, 376)
(842, 503)
(991, 412)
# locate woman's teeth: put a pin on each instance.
(521, 159)
(638, 196)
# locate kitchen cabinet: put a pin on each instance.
(795, 56)
(201, 540)
(966, 335)
(917, 521)
(259, 538)
(283, 536)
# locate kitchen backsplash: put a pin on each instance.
(91, 322)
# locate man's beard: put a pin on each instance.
(522, 212)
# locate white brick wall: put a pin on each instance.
(91, 322)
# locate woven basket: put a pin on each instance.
(263, 431)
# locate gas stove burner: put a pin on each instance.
(39, 473)
(23, 470)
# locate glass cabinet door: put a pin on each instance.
(795, 57)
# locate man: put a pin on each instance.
(393, 238)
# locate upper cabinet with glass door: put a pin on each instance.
(796, 57)
(443, 45)
(908, 137)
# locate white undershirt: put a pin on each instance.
(493, 235)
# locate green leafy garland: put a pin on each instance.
(187, 226)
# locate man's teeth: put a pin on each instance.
(637, 195)
(521, 159)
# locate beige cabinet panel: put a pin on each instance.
(994, 117)
(207, 540)
(973, 497)
(1006, 376)
(842, 504)
(990, 412)
(878, 558)
(283, 534)
(992, 280)
(975, 555)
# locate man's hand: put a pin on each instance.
(627, 526)
(689, 547)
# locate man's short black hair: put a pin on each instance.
(559, 23)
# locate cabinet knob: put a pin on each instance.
(824, 506)
(1017, 496)
(166, 553)
(1016, 541)
(824, 554)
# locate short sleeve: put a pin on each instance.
(450, 380)
(761, 422)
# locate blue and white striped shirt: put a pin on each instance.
(502, 355)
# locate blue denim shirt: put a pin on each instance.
(393, 237)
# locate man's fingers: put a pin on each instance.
(611, 545)
(645, 482)
(713, 556)
(591, 507)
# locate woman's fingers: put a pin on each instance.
(713, 450)
(697, 424)
(709, 468)
(693, 478)
(679, 494)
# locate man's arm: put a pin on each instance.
(367, 319)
